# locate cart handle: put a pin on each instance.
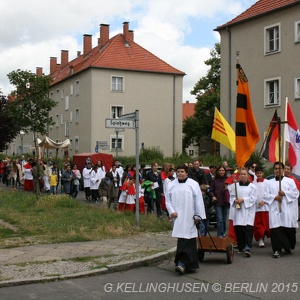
(194, 217)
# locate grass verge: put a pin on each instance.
(59, 218)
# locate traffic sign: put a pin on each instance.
(119, 123)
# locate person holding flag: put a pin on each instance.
(281, 193)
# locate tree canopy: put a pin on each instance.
(31, 103)
(207, 92)
(8, 126)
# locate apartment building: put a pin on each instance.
(266, 40)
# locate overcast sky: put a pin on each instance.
(178, 31)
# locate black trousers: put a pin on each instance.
(283, 238)
(187, 253)
(244, 236)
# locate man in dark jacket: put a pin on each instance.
(197, 174)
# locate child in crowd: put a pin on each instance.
(204, 224)
(261, 221)
(128, 195)
(105, 188)
(53, 180)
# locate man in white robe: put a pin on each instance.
(282, 215)
(184, 201)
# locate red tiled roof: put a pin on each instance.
(116, 55)
(258, 9)
(188, 109)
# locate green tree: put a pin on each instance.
(8, 126)
(31, 103)
(207, 92)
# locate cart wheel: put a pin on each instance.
(229, 253)
(200, 255)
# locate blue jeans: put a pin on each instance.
(53, 189)
(221, 215)
(203, 225)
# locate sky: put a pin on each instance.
(179, 32)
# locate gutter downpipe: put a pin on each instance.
(174, 101)
(229, 80)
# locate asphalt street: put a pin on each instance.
(258, 277)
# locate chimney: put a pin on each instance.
(39, 71)
(64, 58)
(131, 35)
(104, 34)
(53, 64)
(78, 53)
(126, 32)
(87, 43)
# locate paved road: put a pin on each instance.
(258, 277)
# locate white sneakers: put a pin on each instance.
(261, 243)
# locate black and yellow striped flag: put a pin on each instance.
(246, 131)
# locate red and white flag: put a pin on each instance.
(292, 136)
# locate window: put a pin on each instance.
(297, 32)
(116, 143)
(71, 145)
(61, 119)
(57, 94)
(116, 111)
(51, 95)
(71, 89)
(77, 87)
(62, 94)
(66, 128)
(117, 84)
(77, 115)
(67, 103)
(51, 125)
(76, 144)
(272, 92)
(297, 88)
(272, 39)
(57, 121)
(71, 116)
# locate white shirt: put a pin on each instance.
(95, 180)
(246, 214)
(289, 215)
(186, 200)
(86, 173)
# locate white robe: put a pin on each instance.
(289, 215)
(260, 187)
(101, 172)
(246, 214)
(86, 174)
(95, 180)
(186, 200)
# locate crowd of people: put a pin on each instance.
(246, 205)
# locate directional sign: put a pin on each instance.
(119, 123)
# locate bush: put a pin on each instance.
(148, 155)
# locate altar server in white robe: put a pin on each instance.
(282, 214)
(242, 203)
(184, 201)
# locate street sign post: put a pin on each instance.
(129, 121)
(119, 123)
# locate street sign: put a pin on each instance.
(120, 129)
(119, 123)
(103, 145)
(128, 116)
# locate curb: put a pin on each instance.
(111, 268)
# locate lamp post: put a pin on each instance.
(22, 132)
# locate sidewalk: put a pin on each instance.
(53, 262)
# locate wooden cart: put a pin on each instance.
(215, 244)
